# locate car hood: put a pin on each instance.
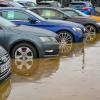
(34, 31)
(65, 23)
(83, 20)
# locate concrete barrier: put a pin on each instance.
(98, 9)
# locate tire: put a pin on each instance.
(23, 51)
(91, 33)
(65, 40)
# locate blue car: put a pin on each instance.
(67, 32)
(83, 6)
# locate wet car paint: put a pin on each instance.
(73, 76)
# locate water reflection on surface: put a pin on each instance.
(33, 70)
(74, 75)
(5, 88)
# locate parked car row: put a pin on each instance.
(28, 32)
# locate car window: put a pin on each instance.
(14, 15)
(77, 5)
(30, 4)
(88, 4)
(72, 13)
(47, 13)
(59, 5)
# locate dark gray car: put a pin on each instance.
(92, 27)
(25, 42)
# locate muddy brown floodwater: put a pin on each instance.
(73, 76)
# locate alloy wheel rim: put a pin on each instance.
(23, 64)
(24, 53)
(91, 33)
(65, 42)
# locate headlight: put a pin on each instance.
(77, 29)
(47, 39)
(98, 24)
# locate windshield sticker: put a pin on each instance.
(11, 15)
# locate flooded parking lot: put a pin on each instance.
(73, 76)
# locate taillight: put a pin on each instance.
(85, 8)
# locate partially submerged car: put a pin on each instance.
(83, 6)
(77, 13)
(92, 27)
(23, 42)
(68, 32)
(4, 64)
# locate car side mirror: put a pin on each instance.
(65, 17)
(33, 21)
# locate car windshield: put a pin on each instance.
(80, 13)
(77, 5)
(30, 4)
(34, 14)
(6, 23)
(73, 13)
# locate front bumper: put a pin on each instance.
(50, 49)
(79, 37)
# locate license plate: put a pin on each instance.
(5, 67)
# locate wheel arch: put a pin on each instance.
(91, 24)
(23, 41)
(67, 31)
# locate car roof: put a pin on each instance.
(67, 8)
(43, 8)
(46, 2)
(79, 2)
(10, 8)
(10, 2)
(24, 1)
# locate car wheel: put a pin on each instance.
(91, 33)
(24, 51)
(65, 40)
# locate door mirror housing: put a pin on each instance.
(33, 21)
(65, 17)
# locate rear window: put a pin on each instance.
(43, 3)
(77, 5)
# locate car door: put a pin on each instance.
(49, 13)
(22, 18)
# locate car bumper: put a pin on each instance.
(79, 37)
(49, 50)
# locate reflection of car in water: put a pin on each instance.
(33, 70)
(37, 69)
(5, 88)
